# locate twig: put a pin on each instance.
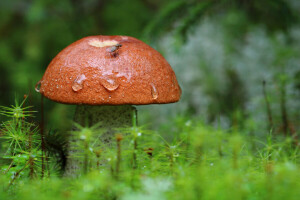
(9, 167)
(284, 116)
(17, 174)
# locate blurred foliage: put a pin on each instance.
(225, 53)
(32, 32)
(202, 162)
(182, 15)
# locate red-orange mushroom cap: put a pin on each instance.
(110, 70)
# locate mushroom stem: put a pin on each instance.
(109, 118)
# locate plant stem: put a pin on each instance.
(98, 154)
(9, 167)
(284, 116)
(135, 144)
(47, 163)
(86, 157)
(31, 163)
(119, 138)
(134, 154)
(17, 174)
(171, 162)
(149, 151)
(269, 112)
(98, 163)
(234, 159)
(118, 158)
(42, 136)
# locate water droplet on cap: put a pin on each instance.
(78, 83)
(76, 87)
(38, 86)
(154, 92)
(110, 84)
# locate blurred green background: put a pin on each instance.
(221, 51)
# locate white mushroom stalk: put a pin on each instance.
(108, 120)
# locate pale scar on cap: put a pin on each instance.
(105, 43)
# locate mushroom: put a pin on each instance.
(105, 76)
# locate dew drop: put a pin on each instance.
(154, 92)
(110, 84)
(78, 83)
(38, 86)
(76, 86)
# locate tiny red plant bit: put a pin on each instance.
(119, 137)
(98, 155)
(149, 151)
(24, 98)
